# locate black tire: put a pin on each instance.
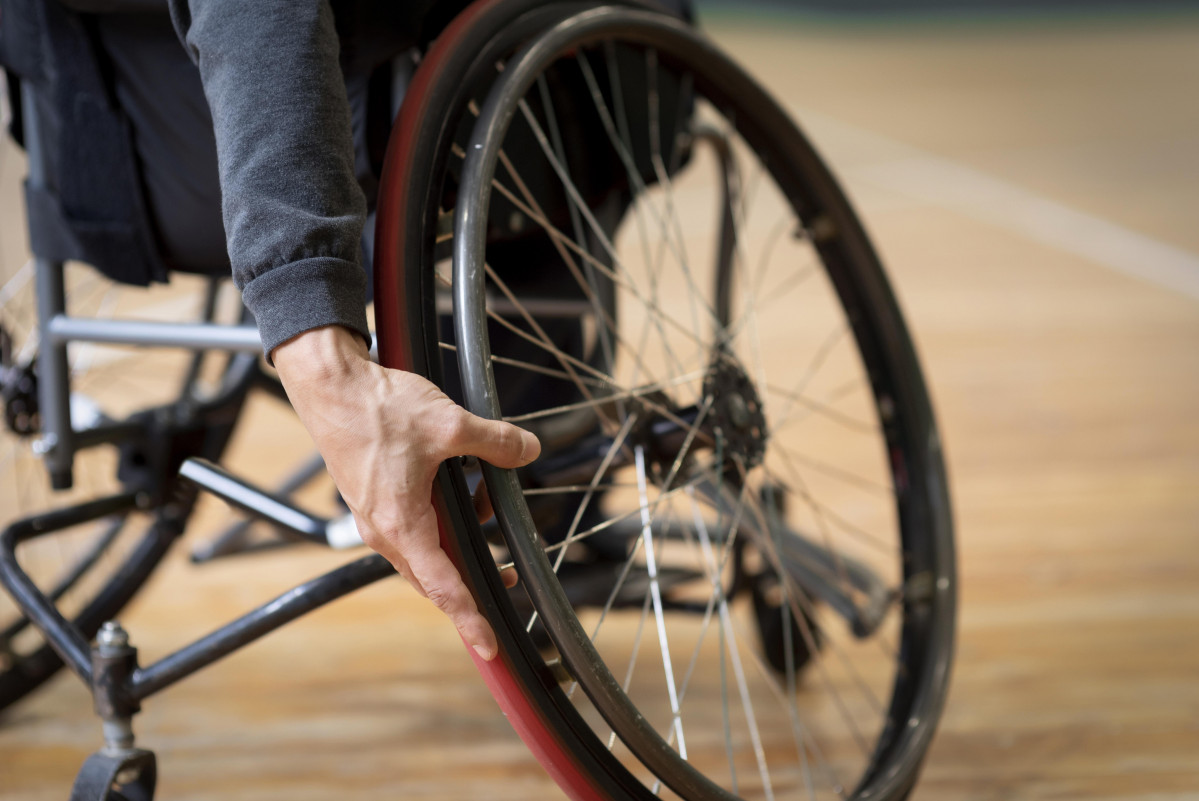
(884, 704)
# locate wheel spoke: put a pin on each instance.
(729, 642)
(631, 394)
(818, 360)
(617, 444)
(623, 147)
(803, 610)
(839, 473)
(655, 588)
(821, 409)
(650, 305)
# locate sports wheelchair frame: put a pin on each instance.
(710, 318)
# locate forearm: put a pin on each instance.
(292, 209)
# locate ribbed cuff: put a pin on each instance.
(293, 298)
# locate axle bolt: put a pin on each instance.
(112, 637)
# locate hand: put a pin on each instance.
(382, 434)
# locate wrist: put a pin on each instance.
(323, 353)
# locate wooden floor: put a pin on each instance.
(1034, 190)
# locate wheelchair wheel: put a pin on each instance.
(416, 201)
(654, 271)
(93, 570)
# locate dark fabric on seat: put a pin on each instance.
(89, 205)
(158, 88)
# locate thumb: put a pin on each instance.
(502, 444)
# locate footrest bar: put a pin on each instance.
(243, 495)
(233, 539)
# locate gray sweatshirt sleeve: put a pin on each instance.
(292, 209)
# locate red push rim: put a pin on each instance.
(395, 350)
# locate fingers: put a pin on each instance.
(502, 444)
(437, 577)
(509, 577)
(384, 455)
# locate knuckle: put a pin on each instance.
(440, 597)
(379, 538)
(372, 538)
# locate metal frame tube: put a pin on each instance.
(54, 391)
(231, 540)
(263, 620)
(63, 637)
(62, 585)
(74, 651)
(243, 495)
(192, 336)
(57, 444)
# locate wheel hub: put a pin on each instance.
(738, 419)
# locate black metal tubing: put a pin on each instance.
(75, 651)
(208, 315)
(728, 230)
(263, 620)
(73, 575)
(62, 636)
(108, 432)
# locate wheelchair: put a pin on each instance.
(736, 557)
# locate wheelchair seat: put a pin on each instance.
(130, 183)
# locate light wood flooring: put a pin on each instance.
(1034, 191)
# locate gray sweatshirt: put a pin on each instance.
(292, 208)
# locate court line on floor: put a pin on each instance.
(927, 178)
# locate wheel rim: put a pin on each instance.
(913, 503)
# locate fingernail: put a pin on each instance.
(484, 654)
(530, 448)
